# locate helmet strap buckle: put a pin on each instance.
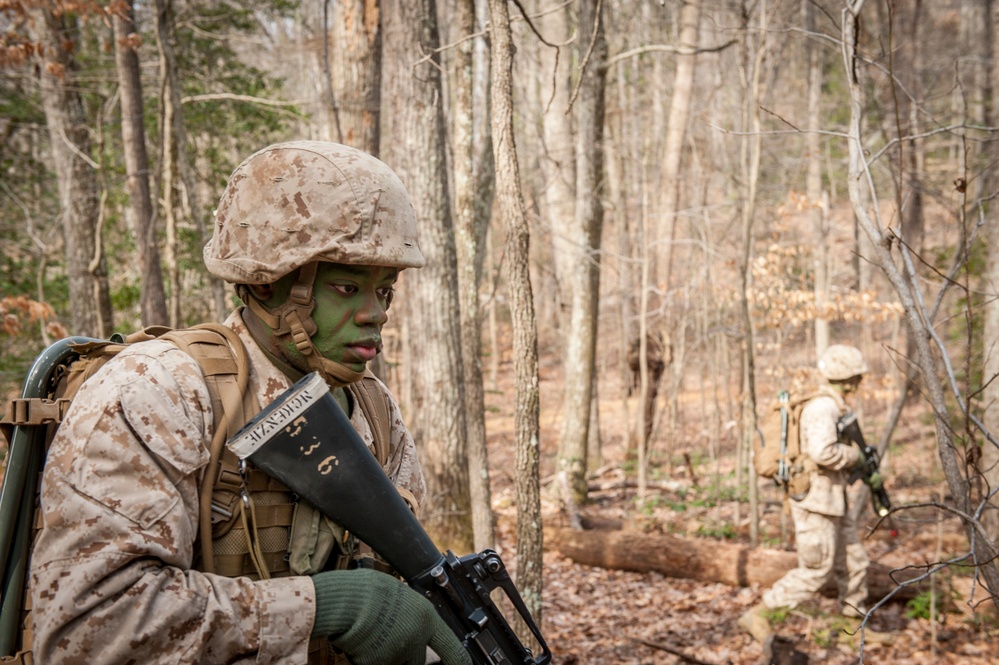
(301, 291)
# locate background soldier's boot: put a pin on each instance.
(755, 622)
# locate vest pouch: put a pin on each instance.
(801, 477)
(313, 536)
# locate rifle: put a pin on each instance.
(305, 440)
(850, 428)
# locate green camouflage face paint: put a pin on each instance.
(351, 308)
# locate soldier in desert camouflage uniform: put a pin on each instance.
(825, 531)
(314, 235)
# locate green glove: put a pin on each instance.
(875, 482)
(377, 620)
(861, 459)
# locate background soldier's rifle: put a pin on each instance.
(306, 441)
(850, 428)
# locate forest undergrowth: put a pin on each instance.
(596, 615)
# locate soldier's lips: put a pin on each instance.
(361, 352)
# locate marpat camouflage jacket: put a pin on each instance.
(821, 440)
(111, 575)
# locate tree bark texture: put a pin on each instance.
(152, 297)
(355, 48)
(76, 173)
(584, 236)
(470, 241)
(413, 125)
(513, 216)
(704, 560)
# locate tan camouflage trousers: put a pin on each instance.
(828, 548)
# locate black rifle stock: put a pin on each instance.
(850, 428)
(306, 441)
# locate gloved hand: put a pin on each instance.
(861, 460)
(875, 482)
(377, 620)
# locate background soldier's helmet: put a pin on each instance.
(841, 362)
(294, 203)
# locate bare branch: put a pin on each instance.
(250, 99)
(666, 48)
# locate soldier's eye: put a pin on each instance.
(345, 289)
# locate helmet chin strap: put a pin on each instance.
(293, 319)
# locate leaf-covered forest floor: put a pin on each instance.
(595, 615)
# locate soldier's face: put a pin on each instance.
(852, 384)
(351, 307)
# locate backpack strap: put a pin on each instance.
(222, 357)
(375, 408)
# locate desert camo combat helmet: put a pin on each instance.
(292, 205)
(840, 362)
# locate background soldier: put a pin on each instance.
(314, 235)
(825, 533)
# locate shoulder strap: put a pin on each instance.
(224, 361)
(374, 406)
(836, 396)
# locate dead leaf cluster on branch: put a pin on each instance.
(15, 311)
(780, 295)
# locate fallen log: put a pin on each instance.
(700, 559)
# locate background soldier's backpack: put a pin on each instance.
(777, 448)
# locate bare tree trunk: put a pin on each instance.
(557, 158)
(329, 127)
(904, 61)
(482, 137)
(646, 258)
(172, 247)
(676, 133)
(511, 212)
(650, 246)
(987, 116)
(182, 192)
(617, 179)
(414, 128)
(924, 359)
(172, 131)
(584, 240)
(816, 200)
(152, 298)
(76, 173)
(470, 240)
(750, 175)
(657, 274)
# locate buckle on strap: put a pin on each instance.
(35, 411)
